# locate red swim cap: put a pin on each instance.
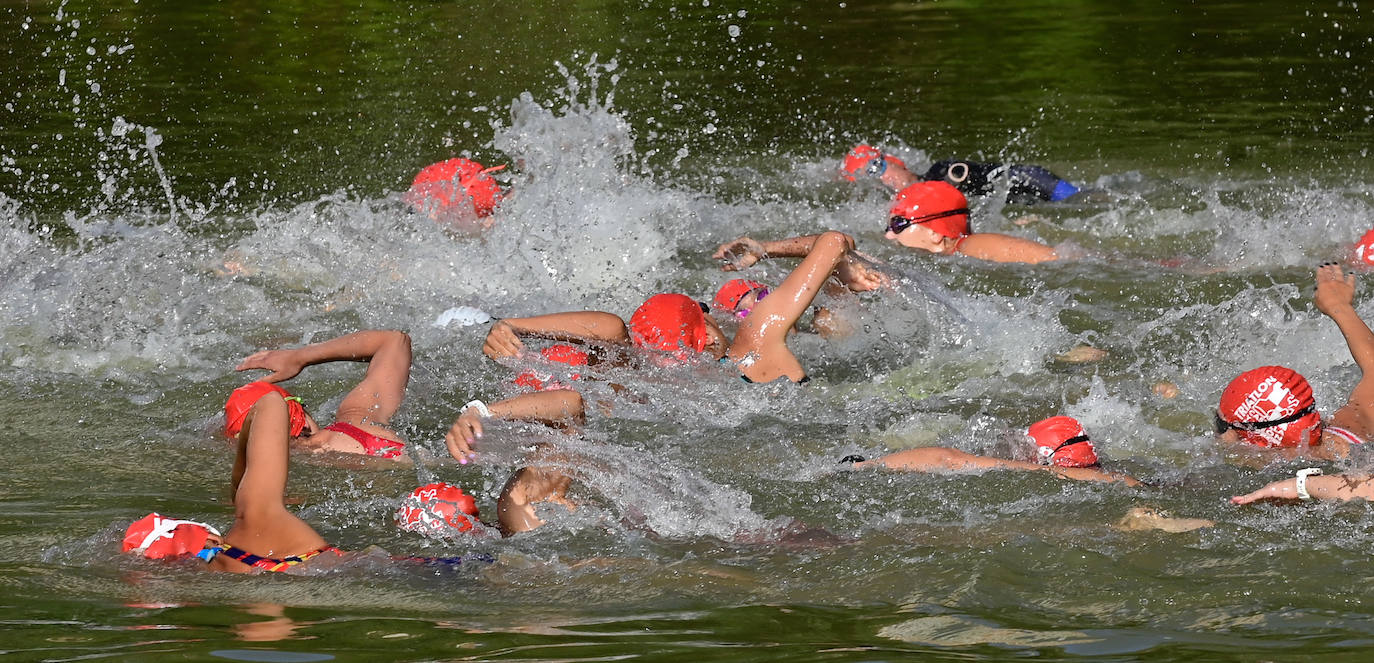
(1062, 441)
(669, 322)
(860, 160)
(1267, 394)
(935, 205)
(727, 298)
(1364, 249)
(561, 353)
(156, 537)
(443, 187)
(437, 509)
(242, 400)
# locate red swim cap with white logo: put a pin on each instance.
(1266, 394)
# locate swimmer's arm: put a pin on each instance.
(1335, 297)
(503, 340)
(996, 247)
(936, 459)
(1333, 487)
(553, 408)
(743, 252)
(771, 318)
(260, 464)
(378, 396)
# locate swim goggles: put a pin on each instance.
(897, 224)
(1047, 454)
(1222, 425)
(761, 293)
(877, 166)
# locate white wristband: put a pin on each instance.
(481, 408)
(1302, 481)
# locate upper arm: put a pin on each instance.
(260, 481)
(996, 247)
(380, 393)
(770, 320)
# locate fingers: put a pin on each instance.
(502, 342)
(252, 361)
(461, 436)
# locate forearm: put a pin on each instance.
(573, 326)
(358, 346)
(1357, 335)
(548, 407)
(792, 247)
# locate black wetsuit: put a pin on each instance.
(1028, 183)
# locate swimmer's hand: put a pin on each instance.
(860, 277)
(502, 341)
(284, 364)
(1335, 289)
(739, 254)
(466, 430)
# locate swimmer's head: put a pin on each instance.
(437, 509)
(676, 324)
(156, 537)
(1062, 441)
(242, 400)
(738, 296)
(930, 216)
(558, 352)
(1270, 406)
(454, 189)
(1364, 250)
(868, 162)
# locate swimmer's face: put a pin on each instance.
(917, 236)
(716, 344)
(310, 428)
(896, 176)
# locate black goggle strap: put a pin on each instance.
(1224, 425)
(904, 221)
(1073, 440)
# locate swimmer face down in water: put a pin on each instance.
(1027, 184)
(1272, 408)
(362, 422)
(457, 193)
(675, 327)
(1063, 448)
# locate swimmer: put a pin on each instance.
(1029, 184)
(927, 216)
(457, 193)
(677, 327)
(264, 536)
(1062, 448)
(1272, 407)
(362, 422)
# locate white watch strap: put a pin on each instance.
(480, 407)
(1302, 481)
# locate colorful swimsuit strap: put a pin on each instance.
(269, 564)
(958, 242)
(373, 445)
(1344, 434)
